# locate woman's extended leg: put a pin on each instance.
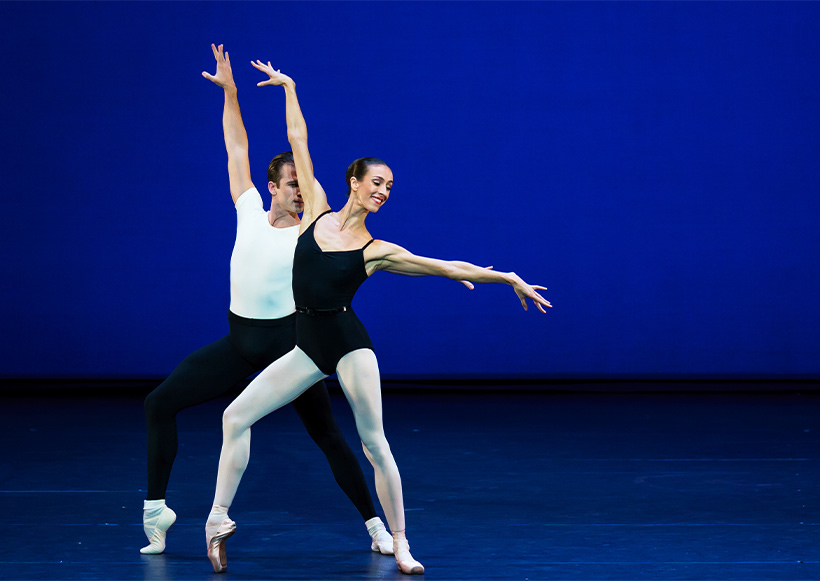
(313, 408)
(358, 374)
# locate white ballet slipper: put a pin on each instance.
(155, 529)
(382, 541)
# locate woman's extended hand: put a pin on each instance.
(275, 76)
(526, 291)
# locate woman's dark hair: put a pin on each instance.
(276, 164)
(358, 169)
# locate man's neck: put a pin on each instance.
(279, 218)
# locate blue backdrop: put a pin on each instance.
(654, 164)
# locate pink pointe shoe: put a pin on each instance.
(407, 564)
(215, 537)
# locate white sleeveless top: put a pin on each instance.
(261, 263)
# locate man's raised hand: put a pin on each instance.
(224, 74)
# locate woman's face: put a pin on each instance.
(374, 188)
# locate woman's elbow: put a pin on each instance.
(297, 137)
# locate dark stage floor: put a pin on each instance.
(517, 485)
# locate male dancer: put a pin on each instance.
(261, 319)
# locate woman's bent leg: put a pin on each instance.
(277, 385)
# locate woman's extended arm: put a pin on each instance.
(312, 193)
(393, 258)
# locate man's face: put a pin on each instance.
(286, 193)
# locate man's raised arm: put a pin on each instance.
(236, 138)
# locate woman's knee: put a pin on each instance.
(233, 425)
(377, 449)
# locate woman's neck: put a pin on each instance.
(352, 215)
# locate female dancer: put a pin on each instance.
(262, 329)
(334, 255)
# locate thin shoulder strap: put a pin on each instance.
(368, 244)
(320, 215)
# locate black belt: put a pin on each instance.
(320, 312)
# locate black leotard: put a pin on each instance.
(324, 283)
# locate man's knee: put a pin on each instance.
(153, 405)
(329, 441)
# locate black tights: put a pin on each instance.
(209, 372)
